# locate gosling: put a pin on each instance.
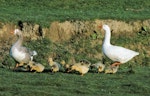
(36, 66)
(55, 67)
(81, 68)
(67, 67)
(100, 66)
(111, 69)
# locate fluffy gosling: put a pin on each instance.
(55, 67)
(67, 67)
(111, 69)
(81, 68)
(36, 66)
(100, 66)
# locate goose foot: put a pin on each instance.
(116, 64)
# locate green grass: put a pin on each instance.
(44, 12)
(71, 84)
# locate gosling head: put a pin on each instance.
(63, 62)
(50, 60)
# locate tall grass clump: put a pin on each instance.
(43, 47)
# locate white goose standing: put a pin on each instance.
(18, 52)
(117, 54)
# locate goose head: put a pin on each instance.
(106, 27)
(16, 32)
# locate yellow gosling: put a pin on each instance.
(67, 67)
(63, 62)
(81, 68)
(50, 61)
(111, 69)
(100, 66)
(55, 67)
(36, 66)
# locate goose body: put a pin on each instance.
(117, 54)
(20, 55)
(18, 52)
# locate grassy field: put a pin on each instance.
(44, 12)
(63, 84)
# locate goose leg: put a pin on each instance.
(21, 64)
(116, 64)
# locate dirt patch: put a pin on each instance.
(5, 39)
(62, 31)
(65, 30)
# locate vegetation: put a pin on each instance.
(43, 12)
(124, 82)
(64, 84)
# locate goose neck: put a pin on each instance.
(107, 37)
(20, 40)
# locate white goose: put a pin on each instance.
(117, 54)
(18, 52)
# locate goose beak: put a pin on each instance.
(100, 26)
(12, 32)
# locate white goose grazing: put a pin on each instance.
(21, 54)
(117, 54)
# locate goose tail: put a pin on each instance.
(34, 53)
